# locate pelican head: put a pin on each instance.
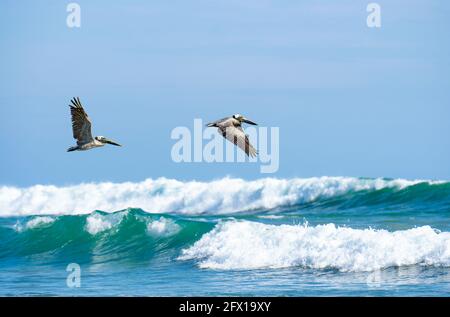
(241, 119)
(104, 140)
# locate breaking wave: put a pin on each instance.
(228, 195)
(36, 222)
(252, 245)
(128, 235)
(134, 236)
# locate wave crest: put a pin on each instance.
(251, 245)
(163, 195)
(97, 223)
(37, 222)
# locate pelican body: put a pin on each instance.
(231, 129)
(81, 126)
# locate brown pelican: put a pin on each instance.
(231, 129)
(81, 126)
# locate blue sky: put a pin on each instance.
(349, 100)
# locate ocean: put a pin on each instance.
(324, 236)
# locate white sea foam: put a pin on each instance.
(97, 223)
(270, 217)
(162, 227)
(165, 195)
(36, 222)
(251, 245)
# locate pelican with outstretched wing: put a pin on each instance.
(81, 126)
(231, 129)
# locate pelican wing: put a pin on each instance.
(218, 122)
(239, 138)
(81, 125)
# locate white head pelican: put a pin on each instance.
(81, 126)
(231, 129)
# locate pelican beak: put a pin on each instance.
(209, 125)
(248, 121)
(112, 142)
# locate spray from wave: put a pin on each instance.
(251, 245)
(37, 222)
(228, 195)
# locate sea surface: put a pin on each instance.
(324, 236)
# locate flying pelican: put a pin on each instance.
(231, 129)
(81, 126)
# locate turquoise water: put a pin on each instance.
(387, 240)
